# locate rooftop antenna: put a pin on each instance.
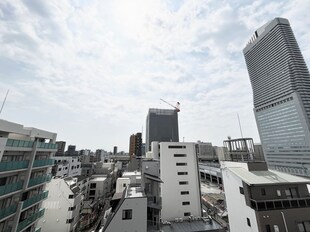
(240, 125)
(4, 101)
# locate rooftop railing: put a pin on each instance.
(8, 188)
(13, 165)
(42, 162)
(35, 199)
(280, 203)
(23, 224)
(25, 143)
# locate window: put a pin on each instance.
(124, 185)
(59, 169)
(184, 192)
(93, 185)
(304, 226)
(92, 192)
(176, 147)
(179, 155)
(241, 190)
(182, 173)
(72, 208)
(72, 168)
(77, 166)
(187, 214)
(183, 182)
(248, 221)
(181, 164)
(127, 214)
(71, 196)
(185, 203)
(69, 221)
(268, 228)
(279, 193)
(263, 191)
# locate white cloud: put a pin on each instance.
(89, 70)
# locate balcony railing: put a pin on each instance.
(13, 165)
(280, 203)
(35, 199)
(8, 211)
(42, 162)
(8, 188)
(25, 143)
(19, 143)
(23, 224)
(39, 180)
(47, 145)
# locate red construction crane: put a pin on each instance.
(177, 107)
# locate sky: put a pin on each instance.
(89, 70)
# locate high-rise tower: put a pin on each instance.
(281, 92)
(161, 126)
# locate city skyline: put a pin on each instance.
(89, 71)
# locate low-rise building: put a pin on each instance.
(260, 200)
(66, 166)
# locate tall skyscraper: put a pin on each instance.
(135, 145)
(281, 91)
(161, 126)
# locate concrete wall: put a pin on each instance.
(138, 223)
(172, 199)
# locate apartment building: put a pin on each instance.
(62, 206)
(66, 166)
(262, 200)
(25, 166)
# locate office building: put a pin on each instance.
(61, 145)
(71, 151)
(205, 151)
(161, 126)
(135, 145)
(25, 155)
(262, 200)
(115, 150)
(281, 92)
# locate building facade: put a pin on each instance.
(135, 145)
(161, 126)
(281, 92)
(66, 166)
(262, 200)
(25, 166)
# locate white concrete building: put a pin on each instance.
(25, 165)
(62, 206)
(129, 212)
(180, 190)
(260, 200)
(99, 187)
(126, 179)
(66, 166)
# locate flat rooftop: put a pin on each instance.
(98, 178)
(193, 226)
(134, 192)
(131, 174)
(266, 177)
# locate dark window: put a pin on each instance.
(241, 190)
(179, 155)
(185, 203)
(263, 191)
(92, 192)
(77, 166)
(181, 164)
(72, 208)
(127, 214)
(72, 168)
(182, 173)
(69, 221)
(184, 192)
(268, 228)
(183, 182)
(248, 221)
(124, 185)
(177, 147)
(93, 185)
(187, 214)
(59, 169)
(71, 196)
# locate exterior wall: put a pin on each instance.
(238, 211)
(102, 187)
(121, 184)
(67, 166)
(161, 126)
(172, 200)
(57, 208)
(138, 223)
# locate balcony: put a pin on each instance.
(13, 165)
(23, 224)
(47, 145)
(8, 211)
(43, 162)
(9, 188)
(19, 143)
(280, 204)
(35, 199)
(39, 180)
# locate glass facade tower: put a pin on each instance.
(281, 92)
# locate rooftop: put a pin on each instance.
(193, 226)
(134, 192)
